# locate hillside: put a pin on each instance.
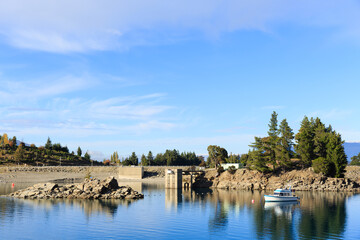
(40, 156)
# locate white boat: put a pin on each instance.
(281, 195)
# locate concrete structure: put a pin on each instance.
(189, 177)
(227, 165)
(173, 178)
(132, 172)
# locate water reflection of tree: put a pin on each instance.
(277, 221)
(219, 220)
(227, 201)
(323, 215)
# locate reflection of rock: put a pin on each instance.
(89, 189)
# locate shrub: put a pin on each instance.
(231, 169)
(88, 174)
(220, 170)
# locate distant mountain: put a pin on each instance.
(351, 149)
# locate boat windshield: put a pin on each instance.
(276, 193)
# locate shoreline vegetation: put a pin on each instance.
(313, 157)
(240, 179)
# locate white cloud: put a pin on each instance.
(89, 117)
(96, 155)
(33, 90)
(78, 26)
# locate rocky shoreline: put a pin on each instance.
(88, 189)
(300, 180)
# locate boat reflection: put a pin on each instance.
(282, 208)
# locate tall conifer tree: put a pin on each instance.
(305, 142)
(273, 139)
(285, 152)
(256, 157)
(150, 158)
(336, 154)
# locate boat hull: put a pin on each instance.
(270, 198)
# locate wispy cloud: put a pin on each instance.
(68, 26)
(89, 117)
(32, 90)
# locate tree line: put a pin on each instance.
(169, 158)
(317, 146)
(14, 151)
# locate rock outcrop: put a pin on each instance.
(301, 180)
(89, 189)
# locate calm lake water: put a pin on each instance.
(172, 214)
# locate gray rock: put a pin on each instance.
(89, 189)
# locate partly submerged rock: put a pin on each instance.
(89, 189)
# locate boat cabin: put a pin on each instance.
(282, 192)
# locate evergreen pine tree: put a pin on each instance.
(335, 153)
(355, 160)
(320, 138)
(285, 152)
(79, 152)
(272, 141)
(14, 141)
(87, 156)
(256, 158)
(305, 142)
(144, 161)
(48, 144)
(133, 159)
(150, 158)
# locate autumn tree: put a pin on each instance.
(114, 158)
(19, 153)
(4, 140)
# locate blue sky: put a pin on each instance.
(154, 75)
